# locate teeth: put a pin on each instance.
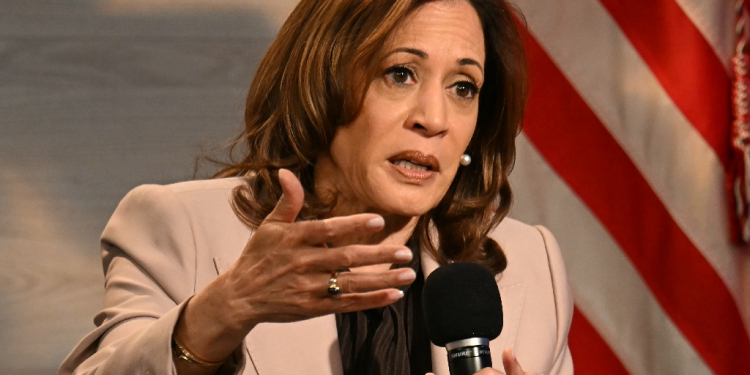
(410, 165)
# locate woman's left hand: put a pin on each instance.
(510, 363)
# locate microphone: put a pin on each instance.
(463, 312)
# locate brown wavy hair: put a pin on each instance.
(313, 79)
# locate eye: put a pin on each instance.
(400, 75)
(465, 90)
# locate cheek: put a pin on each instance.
(470, 123)
(344, 151)
(375, 130)
(465, 128)
(355, 146)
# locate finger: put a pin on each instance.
(329, 230)
(489, 371)
(361, 301)
(352, 282)
(347, 257)
(292, 198)
(510, 363)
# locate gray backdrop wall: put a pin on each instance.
(97, 97)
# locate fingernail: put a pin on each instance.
(395, 295)
(404, 255)
(407, 275)
(376, 222)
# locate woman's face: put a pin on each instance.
(401, 153)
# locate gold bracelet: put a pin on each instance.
(179, 351)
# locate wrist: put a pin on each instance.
(180, 352)
(205, 330)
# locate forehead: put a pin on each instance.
(449, 27)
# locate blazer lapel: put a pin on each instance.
(306, 347)
(512, 297)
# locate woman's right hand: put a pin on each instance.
(283, 273)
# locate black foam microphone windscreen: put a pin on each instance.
(460, 301)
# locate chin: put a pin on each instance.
(408, 205)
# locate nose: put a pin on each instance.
(429, 113)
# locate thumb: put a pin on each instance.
(510, 363)
(291, 200)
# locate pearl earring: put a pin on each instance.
(465, 160)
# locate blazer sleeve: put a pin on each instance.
(149, 260)
(563, 361)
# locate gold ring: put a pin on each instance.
(333, 288)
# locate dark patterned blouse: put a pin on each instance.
(390, 340)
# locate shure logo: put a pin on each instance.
(463, 353)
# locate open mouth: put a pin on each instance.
(415, 161)
(409, 164)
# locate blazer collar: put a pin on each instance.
(311, 346)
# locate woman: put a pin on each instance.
(355, 181)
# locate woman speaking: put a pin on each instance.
(378, 141)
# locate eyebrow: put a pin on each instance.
(422, 54)
(468, 61)
(413, 51)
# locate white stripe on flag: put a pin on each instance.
(606, 286)
(618, 86)
(715, 20)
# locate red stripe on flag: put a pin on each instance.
(578, 147)
(683, 62)
(591, 354)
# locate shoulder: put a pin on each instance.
(165, 213)
(524, 247)
(176, 228)
(154, 207)
(517, 235)
(177, 199)
(536, 272)
(197, 203)
(534, 259)
(529, 249)
(181, 190)
(205, 186)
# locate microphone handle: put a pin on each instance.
(467, 360)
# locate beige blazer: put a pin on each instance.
(164, 243)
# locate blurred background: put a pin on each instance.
(97, 97)
(624, 154)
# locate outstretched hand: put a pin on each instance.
(282, 275)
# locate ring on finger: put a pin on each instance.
(333, 287)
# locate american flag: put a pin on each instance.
(624, 155)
